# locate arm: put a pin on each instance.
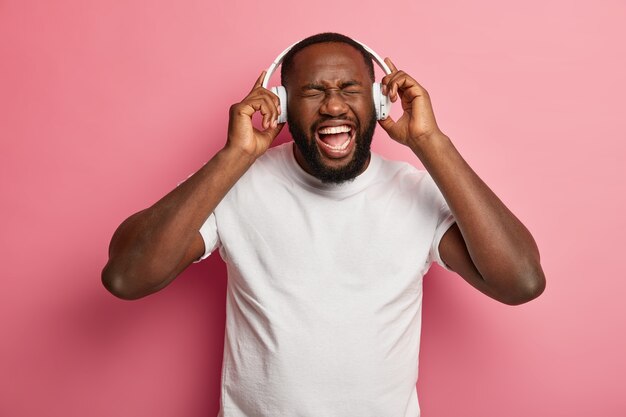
(153, 246)
(489, 247)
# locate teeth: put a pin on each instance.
(334, 130)
(338, 148)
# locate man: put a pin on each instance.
(326, 244)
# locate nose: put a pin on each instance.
(334, 104)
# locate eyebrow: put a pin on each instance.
(320, 87)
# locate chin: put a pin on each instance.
(339, 161)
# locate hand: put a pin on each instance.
(242, 135)
(418, 120)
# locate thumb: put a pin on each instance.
(272, 132)
(388, 124)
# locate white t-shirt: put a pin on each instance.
(323, 312)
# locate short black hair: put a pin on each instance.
(326, 37)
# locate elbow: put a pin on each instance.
(118, 284)
(528, 285)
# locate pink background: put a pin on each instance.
(105, 106)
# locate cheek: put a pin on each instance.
(363, 108)
(304, 113)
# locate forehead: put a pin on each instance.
(328, 63)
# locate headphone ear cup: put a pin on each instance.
(282, 96)
(382, 104)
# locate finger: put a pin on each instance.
(272, 108)
(387, 79)
(410, 92)
(263, 92)
(275, 100)
(259, 81)
(251, 106)
(264, 104)
(391, 65)
(402, 83)
(254, 106)
(391, 82)
(394, 91)
(273, 131)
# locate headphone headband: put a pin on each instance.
(281, 56)
(382, 104)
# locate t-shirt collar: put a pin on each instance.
(361, 181)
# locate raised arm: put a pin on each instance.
(152, 247)
(489, 247)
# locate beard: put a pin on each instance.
(308, 148)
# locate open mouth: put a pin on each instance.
(335, 140)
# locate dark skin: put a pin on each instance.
(488, 246)
(332, 88)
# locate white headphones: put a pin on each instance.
(382, 104)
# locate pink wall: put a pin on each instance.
(105, 106)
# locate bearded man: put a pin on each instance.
(326, 243)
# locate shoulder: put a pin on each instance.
(272, 160)
(266, 172)
(402, 174)
(410, 183)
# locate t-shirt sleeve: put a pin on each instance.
(445, 219)
(442, 228)
(209, 234)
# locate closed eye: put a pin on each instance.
(312, 94)
(315, 90)
(352, 87)
(312, 90)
